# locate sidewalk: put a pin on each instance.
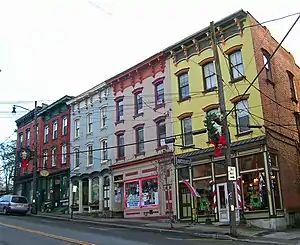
(215, 231)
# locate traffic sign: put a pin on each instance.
(182, 161)
(231, 173)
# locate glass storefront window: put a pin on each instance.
(203, 170)
(95, 189)
(206, 199)
(183, 173)
(276, 189)
(132, 194)
(76, 196)
(149, 192)
(65, 187)
(254, 190)
(220, 167)
(273, 160)
(251, 162)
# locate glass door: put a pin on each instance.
(222, 194)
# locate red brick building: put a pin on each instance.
(53, 153)
(280, 93)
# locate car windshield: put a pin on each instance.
(19, 200)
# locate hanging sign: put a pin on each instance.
(231, 173)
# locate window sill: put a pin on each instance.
(103, 128)
(158, 106)
(139, 154)
(238, 79)
(209, 90)
(141, 114)
(76, 138)
(120, 159)
(244, 133)
(54, 138)
(187, 146)
(119, 122)
(160, 148)
(184, 99)
(89, 166)
(89, 134)
(270, 82)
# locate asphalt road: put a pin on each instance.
(16, 230)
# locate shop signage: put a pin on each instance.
(182, 161)
(118, 177)
(231, 173)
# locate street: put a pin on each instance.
(32, 230)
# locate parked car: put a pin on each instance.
(10, 204)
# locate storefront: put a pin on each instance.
(141, 191)
(257, 189)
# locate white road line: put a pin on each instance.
(97, 228)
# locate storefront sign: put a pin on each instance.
(231, 173)
(182, 161)
(118, 177)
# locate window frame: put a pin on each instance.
(103, 116)
(45, 159)
(46, 134)
(184, 134)
(267, 66)
(20, 140)
(238, 127)
(292, 86)
(157, 94)
(90, 154)
(159, 138)
(53, 157)
(64, 130)
(76, 128)
(138, 102)
(28, 138)
(89, 119)
(140, 143)
(180, 87)
(210, 76)
(54, 129)
(121, 146)
(104, 150)
(120, 104)
(64, 154)
(235, 67)
(76, 158)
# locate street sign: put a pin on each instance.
(231, 173)
(182, 161)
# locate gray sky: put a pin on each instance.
(49, 48)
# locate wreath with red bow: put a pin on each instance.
(215, 139)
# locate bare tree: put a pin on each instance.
(7, 165)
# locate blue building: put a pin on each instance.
(91, 134)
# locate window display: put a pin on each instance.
(149, 192)
(206, 199)
(132, 190)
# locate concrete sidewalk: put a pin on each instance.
(247, 234)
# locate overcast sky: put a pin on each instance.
(49, 48)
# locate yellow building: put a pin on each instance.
(194, 91)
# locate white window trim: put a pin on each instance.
(87, 155)
(45, 158)
(103, 108)
(237, 114)
(54, 126)
(46, 133)
(184, 133)
(64, 155)
(75, 127)
(53, 157)
(74, 160)
(101, 153)
(89, 121)
(64, 124)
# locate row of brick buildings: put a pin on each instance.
(109, 141)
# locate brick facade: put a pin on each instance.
(282, 136)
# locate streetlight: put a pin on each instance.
(34, 166)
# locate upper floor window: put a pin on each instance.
(53, 155)
(138, 102)
(120, 110)
(120, 144)
(209, 76)
(76, 158)
(161, 133)
(45, 159)
(236, 65)
(54, 130)
(183, 84)
(90, 155)
(28, 138)
(20, 140)
(159, 93)
(187, 131)
(65, 126)
(266, 57)
(103, 112)
(89, 123)
(140, 140)
(292, 86)
(242, 116)
(64, 154)
(103, 145)
(46, 134)
(76, 128)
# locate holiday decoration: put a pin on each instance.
(25, 157)
(213, 134)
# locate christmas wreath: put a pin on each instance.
(215, 139)
(255, 200)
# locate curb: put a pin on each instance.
(216, 236)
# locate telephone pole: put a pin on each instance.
(225, 131)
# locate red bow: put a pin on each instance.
(218, 146)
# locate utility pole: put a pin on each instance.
(225, 130)
(34, 165)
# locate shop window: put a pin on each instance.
(132, 194)
(220, 167)
(251, 162)
(203, 170)
(85, 192)
(76, 196)
(273, 160)
(276, 188)
(255, 192)
(206, 196)
(149, 192)
(65, 187)
(183, 173)
(95, 189)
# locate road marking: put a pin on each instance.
(65, 239)
(194, 239)
(97, 228)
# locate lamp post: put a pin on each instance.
(34, 165)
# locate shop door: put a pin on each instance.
(185, 202)
(223, 207)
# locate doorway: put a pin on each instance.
(185, 202)
(223, 207)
